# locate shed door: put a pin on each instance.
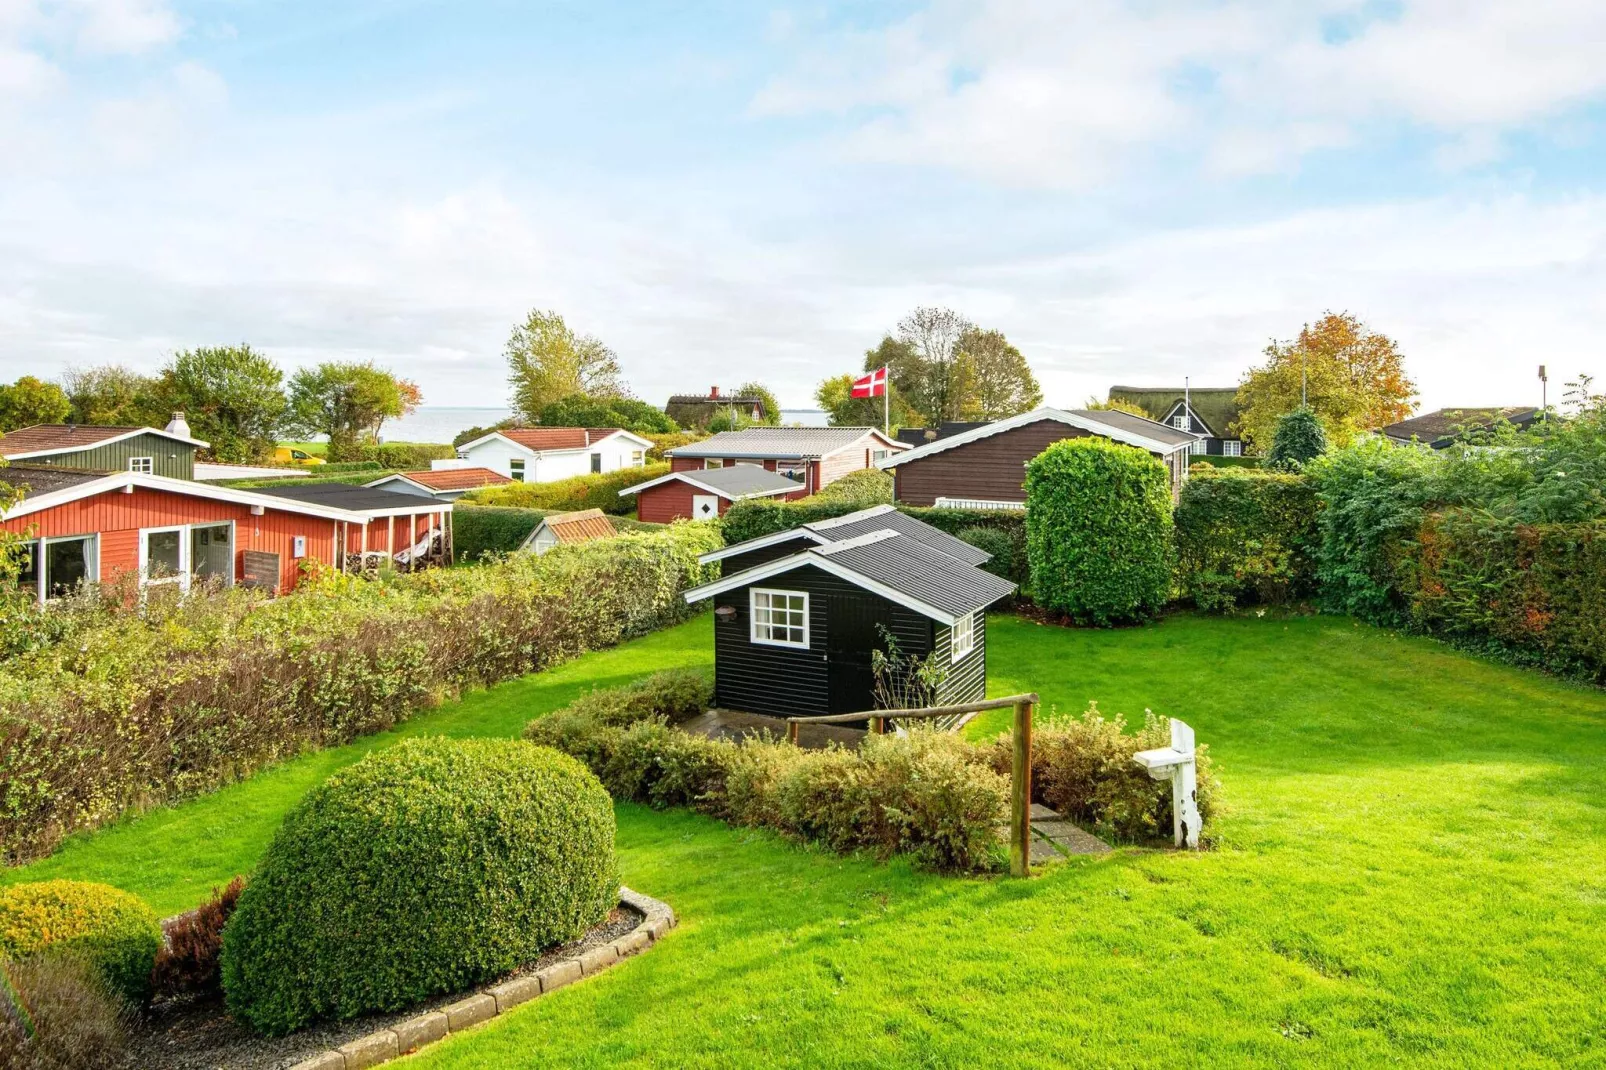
(852, 630)
(704, 506)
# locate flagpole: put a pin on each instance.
(886, 405)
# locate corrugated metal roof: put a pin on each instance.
(887, 518)
(353, 498)
(42, 479)
(919, 571)
(581, 526)
(741, 479)
(765, 442)
(456, 478)
(1137, 425)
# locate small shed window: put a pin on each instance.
(596, 463)
(1180, 421)
(141, 464)
(638, 458)
(713, 462)
(963, 640)
(515, 469)
(780, 618)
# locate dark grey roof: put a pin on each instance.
(887, 518)
(764, 442)
(921, 572)
(741, 480)
(42, 479)
(1440, 427)
(353, 498)
(1138, 425)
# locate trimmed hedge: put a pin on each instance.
(108, 929)
(1098, 531)
(755, 517)
(1215, 461)
(1246, 538)
(864, 488)
(423, 869)
(478, 530)
(599, 491)
(122, 709)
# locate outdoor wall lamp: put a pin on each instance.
(725, 614)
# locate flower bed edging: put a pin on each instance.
(382, 1045)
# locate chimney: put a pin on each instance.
(179, 426)
(713, 391)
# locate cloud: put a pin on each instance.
(1041, 93)
(121, 27)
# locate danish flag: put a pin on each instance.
(873, 385)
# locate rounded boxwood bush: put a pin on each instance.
(105, 927)
(425, 868)
(1098, 531)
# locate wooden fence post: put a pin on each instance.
(1020, 794)
(791, 732)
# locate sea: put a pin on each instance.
(441, 423)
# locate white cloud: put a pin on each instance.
(121, 27)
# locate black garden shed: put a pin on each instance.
(796, 623)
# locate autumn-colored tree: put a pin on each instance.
(1116, 405)
(1353, 379)
(998, 382)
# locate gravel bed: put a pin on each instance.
(200, 1035)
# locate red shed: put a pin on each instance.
(705, 493)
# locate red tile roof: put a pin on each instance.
(457, 478)
(583, 526)
(57, 437)
(558, 438)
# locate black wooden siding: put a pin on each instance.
(790, 682)
(967, 677)
(735, 563)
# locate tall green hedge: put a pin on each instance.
(481, 529)
(1246, 538)
(423, 869)
(600, 491)
(756, 517)
(1098, 531)
(182, 697)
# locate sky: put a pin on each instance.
(1131, 191)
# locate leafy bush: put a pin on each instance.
(188, 963)
(112, 931)
(1098, 531)
(1298, 441)
(58, 1014)
(662, 442)
(600, 491)
(127, 708)
(1082, 767)
(425, 868)
(406, 456)
(1216, 460)
(1246, 537)
(631, 414)
(996, 542)
(864, 488)
(478, 530)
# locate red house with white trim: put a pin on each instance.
(94, 526)
(703, 494)
(813, 456)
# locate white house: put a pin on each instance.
(543, 454)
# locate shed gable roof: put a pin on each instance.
(1120, 427)
(43, 440)
(732, 483)
(1441, 424)
(581, 526)
(447, 479)
(799, 443)
(851, 525)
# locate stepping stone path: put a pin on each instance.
(1054, 838)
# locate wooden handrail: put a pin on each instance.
(920, 714)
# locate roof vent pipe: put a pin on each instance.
(179, 426)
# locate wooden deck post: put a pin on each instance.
(791, 732)
(1020, 793)
(878, 726)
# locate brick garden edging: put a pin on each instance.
(382, 1045)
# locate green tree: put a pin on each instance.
(30, 401)
(1299, 440)
(112, 395)
(1099, 531)
(631, 414)
(772, 407)
(1353, 377)
(548, 362)
(835, 396)
(348, 401)
(929, 368)
(998, 381)
(232, 396)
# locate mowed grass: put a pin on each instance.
(1412, 872)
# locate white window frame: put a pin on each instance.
(638, 458)
(1198, 446)
(962, 636)
(879, 455)
(596, 464)
(753, 594)
(91, 558)
(713, 462)
(1181, 422)
(1232, 448)
(186, 559)
(515, 474)
(143, 465)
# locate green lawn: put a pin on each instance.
(1413, 871)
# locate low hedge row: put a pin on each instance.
(478, 530)
(1246, 538)
(128, 709)
(599, 491)
(934, 796)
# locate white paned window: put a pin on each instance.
(1180, 421)
(878, 455)
(964, 636)
(141, 464)
(780, 618)
(638, 458)
(1197, 446)
(1232, 448)
(515, 469)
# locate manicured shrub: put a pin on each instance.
(425, 868)
(188, 963)
(113, 932)
(1246, 538)
(996, 542)
(600, 491)
(1098, 531)
(864, 488)
(112, 708)
(1299, 439)
(58, 1014)
(1082, 767)
(478, 530)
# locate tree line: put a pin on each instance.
(234, 397)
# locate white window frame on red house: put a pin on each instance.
(42, 567)
(186, 556)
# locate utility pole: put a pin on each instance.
(1544, 403)
(1303, 403)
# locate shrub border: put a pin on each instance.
(404, 1038)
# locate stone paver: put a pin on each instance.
(1069, 838)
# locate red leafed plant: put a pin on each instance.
(188, 961)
